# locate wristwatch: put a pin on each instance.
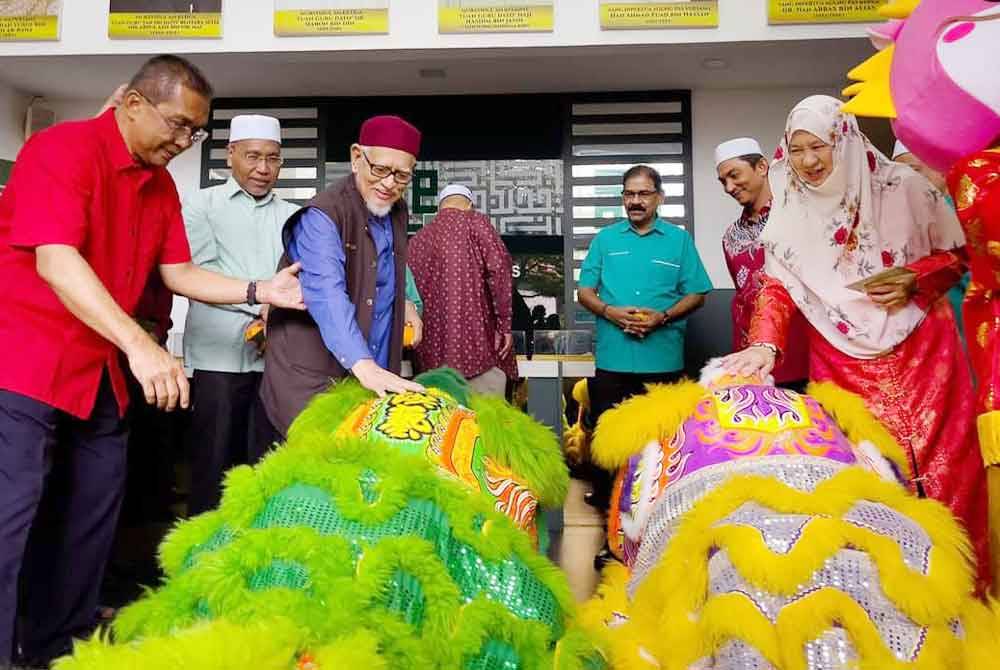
(767, 345)
(252, 293)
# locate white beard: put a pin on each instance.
(378, 210)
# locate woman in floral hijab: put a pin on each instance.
(866, 249)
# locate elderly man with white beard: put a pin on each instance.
(351, 242)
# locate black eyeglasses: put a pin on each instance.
(629, 195)
(273, 162)
(401, 177)
(180, 130)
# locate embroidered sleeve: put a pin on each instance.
(936, 274)
(772, 314)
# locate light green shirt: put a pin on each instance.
(232, 233)
(655, 271)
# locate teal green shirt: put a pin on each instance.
(232, 233)
(655, 271)
(412, 294)
(956, 295)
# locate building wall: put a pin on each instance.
(247, 27)
(13, 106)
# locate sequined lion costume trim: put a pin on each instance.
(755, 531)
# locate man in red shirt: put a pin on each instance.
(88, 212)
(463, 274)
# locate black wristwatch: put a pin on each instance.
(252, 293)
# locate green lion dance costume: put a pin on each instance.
(386, 533)
(760, 528)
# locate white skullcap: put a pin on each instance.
(899, 150)
(456, 189)
(254, 127)
(741, 146)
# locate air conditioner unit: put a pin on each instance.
(39, 117)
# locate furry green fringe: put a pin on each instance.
(210, 615)
(222, 645)
(510, 437)
(514, 439)
(447, 380)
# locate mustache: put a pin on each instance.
(637, 208)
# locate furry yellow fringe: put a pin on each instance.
(673, 620)
(625, 430)
(858, 423)
(988, 425)
(576, 439)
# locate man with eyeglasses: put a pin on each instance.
(235, 229)
(351, 242)
(642, 278)
(88, 213)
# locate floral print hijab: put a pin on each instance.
(868, 216)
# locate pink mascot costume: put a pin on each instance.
(934, 77)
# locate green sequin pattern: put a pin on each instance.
(336, 539)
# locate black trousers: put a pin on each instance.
(265, 435)
(219, 437)
(149, 488)
(61, 484)
(606, 390)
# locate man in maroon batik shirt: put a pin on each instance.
(463, 273)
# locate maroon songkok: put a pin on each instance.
(390, 132)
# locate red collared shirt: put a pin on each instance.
(77, 184)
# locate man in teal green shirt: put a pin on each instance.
(642, 278)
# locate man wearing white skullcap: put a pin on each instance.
(743, 173)
(233, 228)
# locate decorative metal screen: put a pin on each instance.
(521, 196)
